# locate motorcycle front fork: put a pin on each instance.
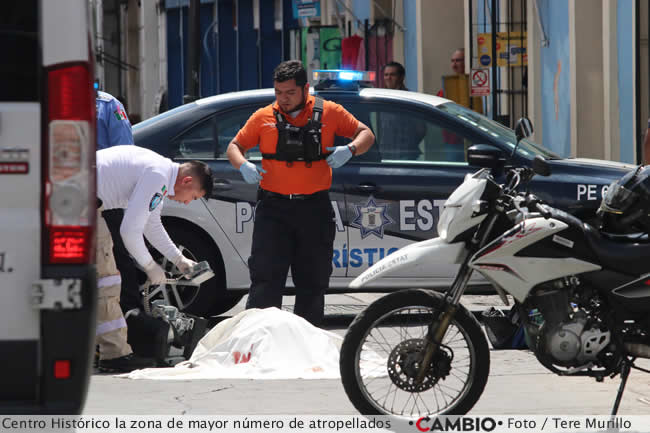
(440, 323)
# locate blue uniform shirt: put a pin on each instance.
(113, 126)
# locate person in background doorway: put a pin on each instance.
(394, 75)
(458, 61)
(398, 136)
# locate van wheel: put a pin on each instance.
(210, 298)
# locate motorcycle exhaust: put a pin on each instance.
(638, 349)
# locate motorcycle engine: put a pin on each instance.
(568, 336)
(571, 344)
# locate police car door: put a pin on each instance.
(395, 191)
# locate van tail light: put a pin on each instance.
(69, 196)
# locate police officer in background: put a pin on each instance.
(113, 126)
(294, 220)
(115, 353)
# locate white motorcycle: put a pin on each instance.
(582, 296)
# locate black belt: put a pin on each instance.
(262, 194)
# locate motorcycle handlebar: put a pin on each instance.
(543, 210)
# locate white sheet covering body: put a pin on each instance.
(258, 344)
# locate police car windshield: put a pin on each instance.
(505, 135)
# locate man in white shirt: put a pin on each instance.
(132, 183)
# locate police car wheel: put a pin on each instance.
(211, 298)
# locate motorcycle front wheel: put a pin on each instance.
(382, 351)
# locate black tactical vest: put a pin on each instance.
(299, 143)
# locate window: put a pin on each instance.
(229, 124)
(403, 135)
(198, 142)
(20, 51)
(506, 135)
(209, 138)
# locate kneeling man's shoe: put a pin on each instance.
(125, 364)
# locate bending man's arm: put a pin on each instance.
(146, 197)
(156, 234)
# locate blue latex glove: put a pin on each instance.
(340, 155)
(250, 173)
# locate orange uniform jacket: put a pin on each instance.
(297, 179)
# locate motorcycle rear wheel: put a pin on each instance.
(380, 351)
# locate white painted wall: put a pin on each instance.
(133, 29)
(611, 132)
(587, 102)
(442, 24)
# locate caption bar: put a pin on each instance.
(322, 423)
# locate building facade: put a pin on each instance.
(577, 68)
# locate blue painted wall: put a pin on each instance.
(247, 46)
(411, 45)
(625, 42)
(556, 95)
(271, 43)
(177, 52)
(223, 50)
(227, 38)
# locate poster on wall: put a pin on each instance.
(321, 48)
(306, 8)
(511, 49)
(480, 82)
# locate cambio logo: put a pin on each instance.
(455, 423)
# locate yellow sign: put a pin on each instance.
(456, 88)
(511, 49)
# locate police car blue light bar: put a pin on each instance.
(343, 75)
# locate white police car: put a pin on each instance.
(383, 199)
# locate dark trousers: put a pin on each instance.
(296, 234)
(130, 297)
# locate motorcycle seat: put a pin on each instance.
(627, 237)
(619, 253)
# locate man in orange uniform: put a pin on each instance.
(294, 220)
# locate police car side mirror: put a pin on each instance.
(523, 128)
(485, 156)
(540, 166)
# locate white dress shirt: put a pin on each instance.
(137, 180)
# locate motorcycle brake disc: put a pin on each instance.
(404, 364)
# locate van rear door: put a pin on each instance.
(47, 216)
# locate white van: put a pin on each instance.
(48, 206)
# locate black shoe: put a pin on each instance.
(125, 364)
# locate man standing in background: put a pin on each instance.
(394, 74)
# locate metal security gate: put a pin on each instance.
(498, 32)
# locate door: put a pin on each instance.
(20, 217)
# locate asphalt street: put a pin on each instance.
(518, 384)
